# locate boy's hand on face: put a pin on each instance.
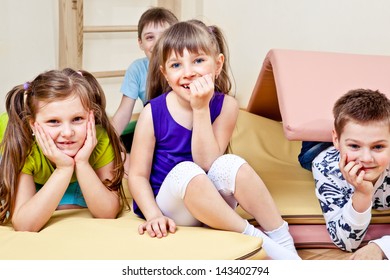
(353, 173)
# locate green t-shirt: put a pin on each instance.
(3, 124)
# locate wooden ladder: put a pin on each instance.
(72, 29)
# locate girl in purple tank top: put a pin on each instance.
(179, 173)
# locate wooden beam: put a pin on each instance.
(109, 74)
(110, 28)
(70, 33)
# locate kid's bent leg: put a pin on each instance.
(229, 170)
(171, 194)
(189, 198)
(254, 197)
(233, 176)
(208, 206)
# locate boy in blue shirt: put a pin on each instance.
(151, 25)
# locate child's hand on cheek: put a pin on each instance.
(50, 150)
(354, 174)
(90, 141)
(202, 90)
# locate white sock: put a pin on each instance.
(273, 249)
(283, 237)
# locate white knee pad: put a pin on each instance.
(170, 198)
(223, 173)
(178, 178)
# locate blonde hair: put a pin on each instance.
(21, 104)
(196, 37)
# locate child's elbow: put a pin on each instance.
(107, 213)
(105, 216)
(25, 227)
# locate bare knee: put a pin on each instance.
(197, 185)
(247, 178)
(246, 172)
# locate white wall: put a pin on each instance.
(28, 41)
(29, 35)
(253, 27)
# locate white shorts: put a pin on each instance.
(222, 174)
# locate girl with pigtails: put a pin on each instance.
(180, 174)
(59, 151)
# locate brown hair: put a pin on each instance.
(21, 104)
(157, 15)
(361, 106)
(194, 36)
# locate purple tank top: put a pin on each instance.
(173, 141)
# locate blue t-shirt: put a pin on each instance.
(173, 141)
(134, 83)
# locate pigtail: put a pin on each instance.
(223, 82)
(15, 147)
(99, 107)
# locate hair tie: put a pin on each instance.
(26, 85)
(80, 73)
